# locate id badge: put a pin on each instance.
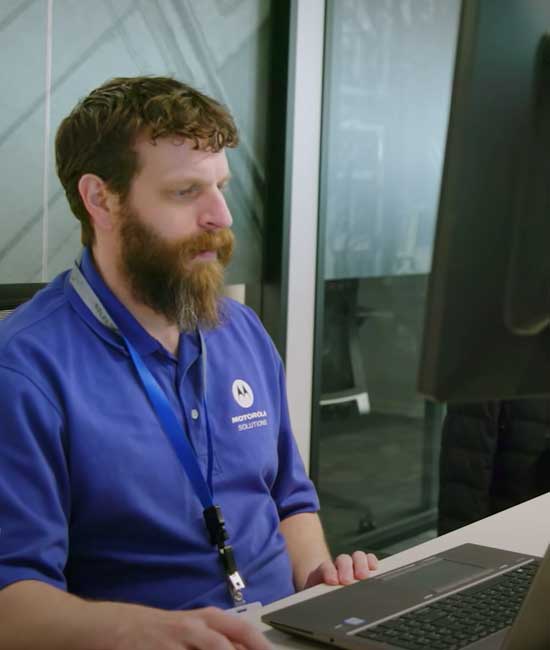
(243, 610)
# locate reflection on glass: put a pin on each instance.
(219, 46)
(21, 136)
(389, 69)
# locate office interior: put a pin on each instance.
(342, 107)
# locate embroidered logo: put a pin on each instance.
(242, 393)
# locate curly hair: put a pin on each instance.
(99, 134)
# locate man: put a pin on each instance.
(135, 400)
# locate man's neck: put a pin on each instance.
(153, 323)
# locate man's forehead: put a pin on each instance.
(176, 156)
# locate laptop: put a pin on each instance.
(470, 596)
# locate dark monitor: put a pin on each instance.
(486, 333)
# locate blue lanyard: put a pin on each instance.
(176, 435)
(174, 431)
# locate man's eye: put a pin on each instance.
(187, 192)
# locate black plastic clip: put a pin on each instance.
(216, 525)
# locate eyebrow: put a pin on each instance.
(192, 180)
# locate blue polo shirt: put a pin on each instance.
(93, 498)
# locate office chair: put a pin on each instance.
(343, 374)
(13, 295)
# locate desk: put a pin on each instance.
(524, 528)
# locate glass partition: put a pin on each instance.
(388, 73)
(22, 118)
(56, 51)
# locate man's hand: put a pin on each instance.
(345, 570)
(311, 563)
(200, 629)
(37, 615)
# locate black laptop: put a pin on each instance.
(470, 596)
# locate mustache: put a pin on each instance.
(218, 241)
(209, 240)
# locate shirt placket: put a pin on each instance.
(189, 394)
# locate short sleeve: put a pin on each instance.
(292, 491)
(34, 485)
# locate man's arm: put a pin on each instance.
(36, 615)
(311, 561)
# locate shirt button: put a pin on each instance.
(195, 414)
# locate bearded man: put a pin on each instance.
(147, 462)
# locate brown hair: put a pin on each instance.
(98, 136)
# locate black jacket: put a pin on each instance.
(494, 455)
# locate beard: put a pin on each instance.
(164, 276)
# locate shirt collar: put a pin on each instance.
(189, 347)
(125, 321)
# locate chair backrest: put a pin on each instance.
(13, 295)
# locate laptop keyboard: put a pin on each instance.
(460, 619)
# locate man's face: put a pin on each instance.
(174, 232)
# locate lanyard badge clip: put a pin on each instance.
(218, 537)
(233, 576)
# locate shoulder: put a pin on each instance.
(36, 327)
(242, 333)
(234, 313)
(38, 308)
(238, 318)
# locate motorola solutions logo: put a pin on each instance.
(242, 393)
(244, 396)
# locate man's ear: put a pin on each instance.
(100, 203)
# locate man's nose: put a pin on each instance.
(216, 213)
